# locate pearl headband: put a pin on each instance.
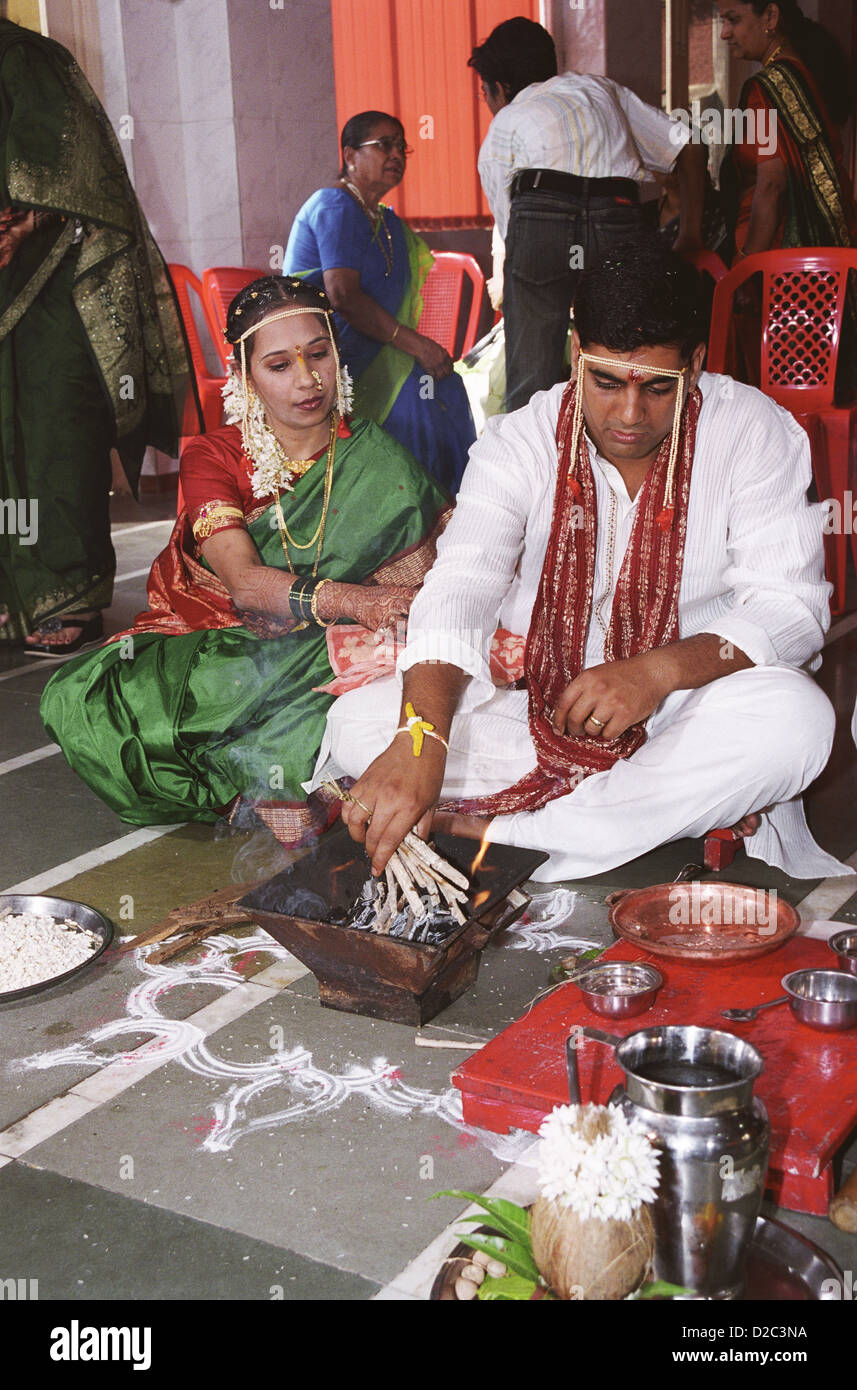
(577, 421)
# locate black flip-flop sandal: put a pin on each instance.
(91, 632)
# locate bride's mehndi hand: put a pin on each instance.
(373, 606)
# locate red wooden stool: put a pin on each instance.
(721, 846)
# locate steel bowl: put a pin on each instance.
(619, 988)
(844, 947)
(825, 999)
(59, 908)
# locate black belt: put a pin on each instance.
(553, 181)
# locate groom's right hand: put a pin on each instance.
(397, 793)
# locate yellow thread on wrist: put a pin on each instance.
(419, 728)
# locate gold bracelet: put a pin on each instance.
(314, 600)
(390, 341)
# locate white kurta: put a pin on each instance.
(752, 574)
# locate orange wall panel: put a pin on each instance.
(409, 57)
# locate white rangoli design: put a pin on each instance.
(311, 1091)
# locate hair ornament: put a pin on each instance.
(667, 514)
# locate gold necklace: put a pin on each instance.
(776, 53)
(285, 535)
(376, 223)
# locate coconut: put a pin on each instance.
(587, 1258)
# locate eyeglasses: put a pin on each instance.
(388, 143)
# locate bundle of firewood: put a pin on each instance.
(419, 896)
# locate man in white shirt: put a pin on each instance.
(647, 526)
(561, 166)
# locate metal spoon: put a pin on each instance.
(741, 1015)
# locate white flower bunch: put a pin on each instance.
(346, 391)
(272, 473)
(595, 1160)
(233, 395)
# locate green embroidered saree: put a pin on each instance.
(168, 723)
(92, 353)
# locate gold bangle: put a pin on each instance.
(390, 341)
(314, 600)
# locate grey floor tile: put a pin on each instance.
(48, 816)
(21, 728)
(847, 913)
(333, 1152)
(82, 1243)
(51, 1041)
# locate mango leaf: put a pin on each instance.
(518, 1257)
(509, 1287)
(660, 1289)
(506, 1217)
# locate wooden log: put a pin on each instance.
(430, 856)
(173, 948)
(405, 882)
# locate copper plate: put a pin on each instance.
(713, 922)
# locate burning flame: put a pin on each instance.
(480, 899)
(480, 854)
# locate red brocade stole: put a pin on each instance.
(644, 614)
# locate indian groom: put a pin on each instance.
(646, 526)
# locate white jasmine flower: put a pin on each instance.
(346, 391)
(596, 1161)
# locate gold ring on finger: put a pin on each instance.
(590, 718)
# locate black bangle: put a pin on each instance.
(296, 600)
(300, 597)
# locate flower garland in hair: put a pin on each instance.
(596, 1161)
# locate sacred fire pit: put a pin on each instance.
(307, 908)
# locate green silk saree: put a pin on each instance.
(166, 723)
(92, 352)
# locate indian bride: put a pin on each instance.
(295, 518)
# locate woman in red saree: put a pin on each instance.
(786, 182)
(294, 519)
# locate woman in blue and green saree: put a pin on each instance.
(373, 268)
(91, 348)
(294, 519)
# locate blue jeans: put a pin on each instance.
(551, 238)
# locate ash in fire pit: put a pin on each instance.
(377, 910)
(419, 897)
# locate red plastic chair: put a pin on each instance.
(220, 284)
(208, 385)
(803, 300)
(442, 295)
(706, 260)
